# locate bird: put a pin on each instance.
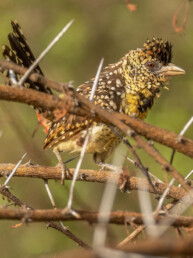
(129, 86)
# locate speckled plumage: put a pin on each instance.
(129, 86)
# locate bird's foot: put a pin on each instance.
(65, 172)
(109, 167)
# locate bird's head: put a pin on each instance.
(148, 69)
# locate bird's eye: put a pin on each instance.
(151, 65)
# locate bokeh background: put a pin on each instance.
(101, 29)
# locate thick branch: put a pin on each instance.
(121, 121)
(31, 97)
(160, 135)
(35, 77)
(116, 217)
(166, 246)
(47, 102)
(132, 183)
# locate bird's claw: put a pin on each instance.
(65, 172)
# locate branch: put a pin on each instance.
(118, 120)
(31, 97)
(121, 121)
(35, 77)
(37, 99)
(64, 230)
(161, 160)
(166, 246)
(131, 183)
(115, 217)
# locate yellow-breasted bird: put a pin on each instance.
(129, 86)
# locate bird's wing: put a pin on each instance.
(71, 125)
(66, 128)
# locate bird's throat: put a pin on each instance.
(138, 104)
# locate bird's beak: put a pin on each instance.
(171, 70)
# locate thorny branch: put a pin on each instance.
(85, 107)
(45, 51)
(83, 150)
(161, 160)
(6, 193)
(115, 217)
(131, 183)
(119, 120)
(72, 102)
(166, 246)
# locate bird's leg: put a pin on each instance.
(65, 170)
(99, 159)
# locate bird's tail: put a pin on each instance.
(20, 53)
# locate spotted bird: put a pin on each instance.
(129, 86)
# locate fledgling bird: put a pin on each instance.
(129, 86)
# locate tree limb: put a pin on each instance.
(85, 107)
(131, 183)
(64, 230)
(116, 217)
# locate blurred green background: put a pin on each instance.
(101, 29)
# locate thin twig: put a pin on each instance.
(22, 133)
(14, 170)
(152, 175)
(189, 174)
(132, 236)
(147, 211)
(132, 150)
(106, 206)
(12, 77)
(12, 198)
(52, 201)
(41, 56)
(185, 128)
(187, 125)
(49, 193)
(68, 233)
(186, 177)
(5, 192)
(161, 200)
(69, 205)
(167, 221)
(161, 160)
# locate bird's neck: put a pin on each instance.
(139, 99)
(140, 94)
(136, 105)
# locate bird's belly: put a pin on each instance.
(101, 139)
